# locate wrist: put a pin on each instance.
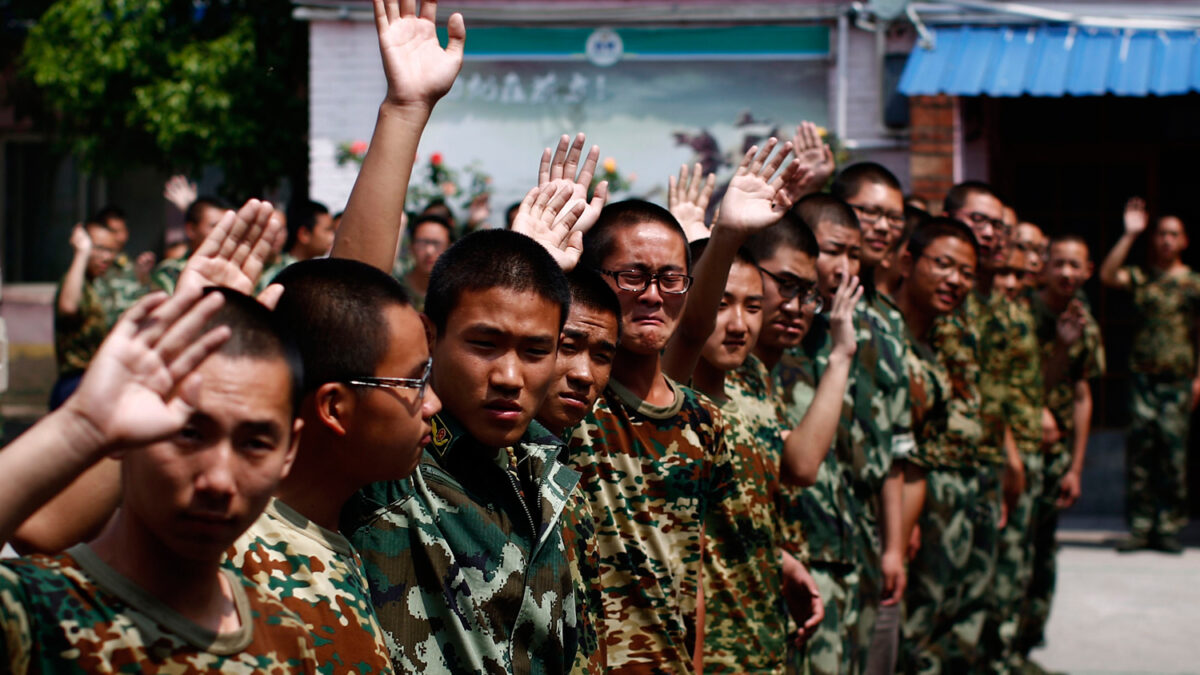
(414, 110)
(79, 432)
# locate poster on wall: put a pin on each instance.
(651, 99)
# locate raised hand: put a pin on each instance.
(841, 316)
(560, 169)
(419, 71)
(80, 241)
(235, 252)
(479, 209)
(549, 216)
(180, 192)
(1136, 218)
(1070, 324)
(137, 388)
(687, 199)
(814, 156)
(756, 197)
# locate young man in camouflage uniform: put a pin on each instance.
(878, 200)
(198, 221)
(200, 397)
(1072, 354)
(126, 281)
(81, 317)
(1165, 377)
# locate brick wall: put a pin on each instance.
(934, 134)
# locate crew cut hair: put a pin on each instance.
(192, 215)
(958, 195)
(790, 231)
(936, 228)
(599, 242)
(818, 208)
(256, 333)
(590, 290)
(302, 216)
(489, 259)
(854, 177)
(334, 309)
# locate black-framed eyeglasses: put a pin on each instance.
(978, 218)
(791, 287)
(419, 383)
(944, 266)
(872, 214)
(636, 281)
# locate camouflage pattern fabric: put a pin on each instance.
(745, 623)
(1166, 305)
(833, 651)
(120, 288)
(72, 613)
(947, 600)
(316, 574)
(1014, 570)
(1011, 387)
(1156, 455)
(268, 275)
(166, 274)
(652, 476)
(952, 437)
(78, 336)
(1085, 361)
(472, 571)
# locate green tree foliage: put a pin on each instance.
(176, 84)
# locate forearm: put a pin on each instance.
(912, 499)
(71, 293)
(808, 443)
(892, 517)
(370, 229)
(1110, 268)
(710, 274)
(42, 462)
(75, 514)
(1081, 415)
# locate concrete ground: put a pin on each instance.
(1123, 613)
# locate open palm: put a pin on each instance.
(235, 252)
(418, 69)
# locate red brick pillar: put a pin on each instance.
(933, 150)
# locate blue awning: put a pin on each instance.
(1053, 61)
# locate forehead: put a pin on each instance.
(245, 389)
(648, 244)
(430, 230)
(1170, 224)
(878, 194)
(1029, 232)
(828, 231)
(793, 261)
(599, 325)
(519, 313)
(954, 248)
(744, 279)
(101, 235)
(407, 342)
(985, 203)
(1068, 250)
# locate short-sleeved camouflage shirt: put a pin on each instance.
(166, 274)
(652, 475)
(72, 613)
(315, 573)
(473, 570)
(1011, 385)
(78, 336)
(931, 395)
(745, 626)
(120, 288)
(282, 262)
(1166, 306)
(955, 341)
(1085, 361)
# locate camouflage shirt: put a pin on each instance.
(1085, 361)
(956, 443)
(1011, 388)
(1166, 306)
(77, 336)
(652, 475)
(931, 395)
(745, 627)
(271, 271)
(166, 274)
(474, 569)
(120, 288)
(315, 573)
(72, 613)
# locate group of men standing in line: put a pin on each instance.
(820, 432)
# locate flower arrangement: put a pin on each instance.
(351, 151)
(616, 182)
(438, 181)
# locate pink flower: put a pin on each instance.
(436, 159)
(449, 189)
(358, 147)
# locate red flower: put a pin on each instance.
(436, 159)
(358, 147)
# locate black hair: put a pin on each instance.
(1069, 238)
(438, 206)
(741, 255)
(590, 290)
(790, 231)
(108, 212)
(192, 214)
(302, 216)
(511, 213)
(494, 259)
(819, 207)
(599, 241)
(936, 228)
(852, 178)
(958, 195)
(913, 218)
(423, 218)
(256, 333)
(333, 308)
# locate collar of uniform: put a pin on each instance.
(449, 436)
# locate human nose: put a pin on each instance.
(652, 294)
(215, 483)
(506, 371)
(737, 322)
(579, 372)
(431, 404)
